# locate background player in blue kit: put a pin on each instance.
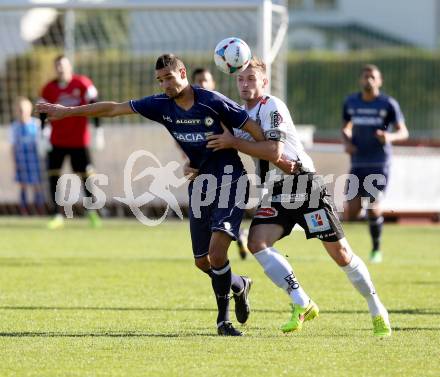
(371, 122)
(203, 78)
(191, 114)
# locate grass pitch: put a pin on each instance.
(126, 300)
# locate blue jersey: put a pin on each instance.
(367, 117)
(24, 139)
(190, 128)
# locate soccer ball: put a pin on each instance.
(232, 55)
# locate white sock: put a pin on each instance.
(279, 270)
(357, 273)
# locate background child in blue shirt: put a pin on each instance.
(25, 133)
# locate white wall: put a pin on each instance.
(413, 21)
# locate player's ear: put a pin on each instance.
(380, 81)
(182, 73)
(265, 82)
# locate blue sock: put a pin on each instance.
(23, 198)
(221, 284)
(39, 198)
(237, 283)
(376, 224)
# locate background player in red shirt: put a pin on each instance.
(70, 136)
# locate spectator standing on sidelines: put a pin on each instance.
(25, 134)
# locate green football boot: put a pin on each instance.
(381, 326)
(94, 219)
(57, 222)
(376, 256)
(299, 315)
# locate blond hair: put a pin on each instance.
(22, 100)
(258, 64)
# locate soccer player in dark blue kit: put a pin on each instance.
(203, 78)
(191, 114)
(372, 121)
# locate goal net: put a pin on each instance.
(116, 44)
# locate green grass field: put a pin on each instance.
(126, 300)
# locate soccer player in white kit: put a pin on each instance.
(300, 198)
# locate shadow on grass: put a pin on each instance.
(128, 334)
(98, 308)
(24, 225)
(416, 328)
(403, 329)
(420, 311)
(83, 261)
(426, 282)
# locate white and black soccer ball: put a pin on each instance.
(232, 55)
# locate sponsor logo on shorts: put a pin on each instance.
(325, 235)
(288, 198)
(317, 221)
(263, 213)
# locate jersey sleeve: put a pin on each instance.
(241, 134)
(90, 91)
(230, 113)
(144, 107)
(91, 94)
(395, 113)
(274, 117)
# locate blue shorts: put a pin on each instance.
(224, 214)
(373, 181)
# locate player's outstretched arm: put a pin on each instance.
(98, 109)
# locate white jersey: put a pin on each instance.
(274, 118)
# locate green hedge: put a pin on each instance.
(317, 83)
